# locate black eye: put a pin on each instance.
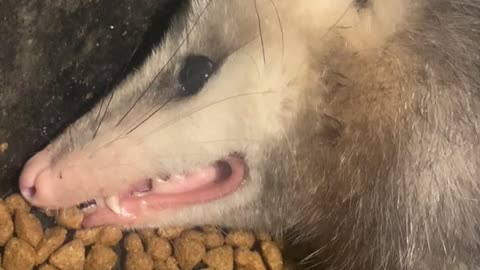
(195, 72)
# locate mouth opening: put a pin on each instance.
(168, 191)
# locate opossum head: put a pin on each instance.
(190, 136)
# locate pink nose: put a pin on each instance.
(31, 185)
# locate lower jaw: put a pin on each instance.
(134, 210)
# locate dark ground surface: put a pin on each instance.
(57, 58)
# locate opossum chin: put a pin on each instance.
(176, 191)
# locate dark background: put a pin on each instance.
(57, 58)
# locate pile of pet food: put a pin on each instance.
(26, 242)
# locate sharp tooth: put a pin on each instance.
(113, 203)
(89, 209)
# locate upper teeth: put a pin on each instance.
(113, 203)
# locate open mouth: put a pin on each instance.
(167, 192)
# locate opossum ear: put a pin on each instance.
(195, 72)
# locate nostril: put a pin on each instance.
(33, 170)
(28, 192)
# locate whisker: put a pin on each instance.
(260, 30)
(137, 46)
(352, 3)
(99, 112)
(170, 99)
(72, 143)
(154, 79)
(166, 64)
(103, 115)
(150, 116)
(281, 27)
(172, 121)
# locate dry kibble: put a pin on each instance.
(133, 243)
(249, 259)
(6, 224)
(147, 249)
(146, 233)
(213, 239)
(220, 258)
(272, 255)
(47, 267)
(16, 202)
(100, 257)
(240, 239)
(189, 252)
(70, 218)
(159, 248)
(110, 235)
(210, 228)
(70, 256)
(88, 236)
(28, 228)
(138, 261)
(263, 236)
(169, 264)
(192, 234)
(170, 233)
(51, 241)
(18, 254)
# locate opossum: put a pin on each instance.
(349, 127)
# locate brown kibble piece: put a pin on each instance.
(263, 236)
(110, 235)
(6, 224)
(213, 239)
(169, 264)
(133, 243)
(249, 259)
(220, 258)
(16, 202)
(159, 248)
(170, 233)
(138, 261)
(100, 257)
(272, 255)
(47, 267)
(189, 252)
(88, 236)
(28, 228)
(146, 233)
(240, 239)
(70, 256)
(18, 254)
(51, 241)
(70, 218)
(192, 234)
(210, 228)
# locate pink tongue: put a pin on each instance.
(179, 191)
(181, 184)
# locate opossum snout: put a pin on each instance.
(52, 180)
(31, 179)
(119, 187)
